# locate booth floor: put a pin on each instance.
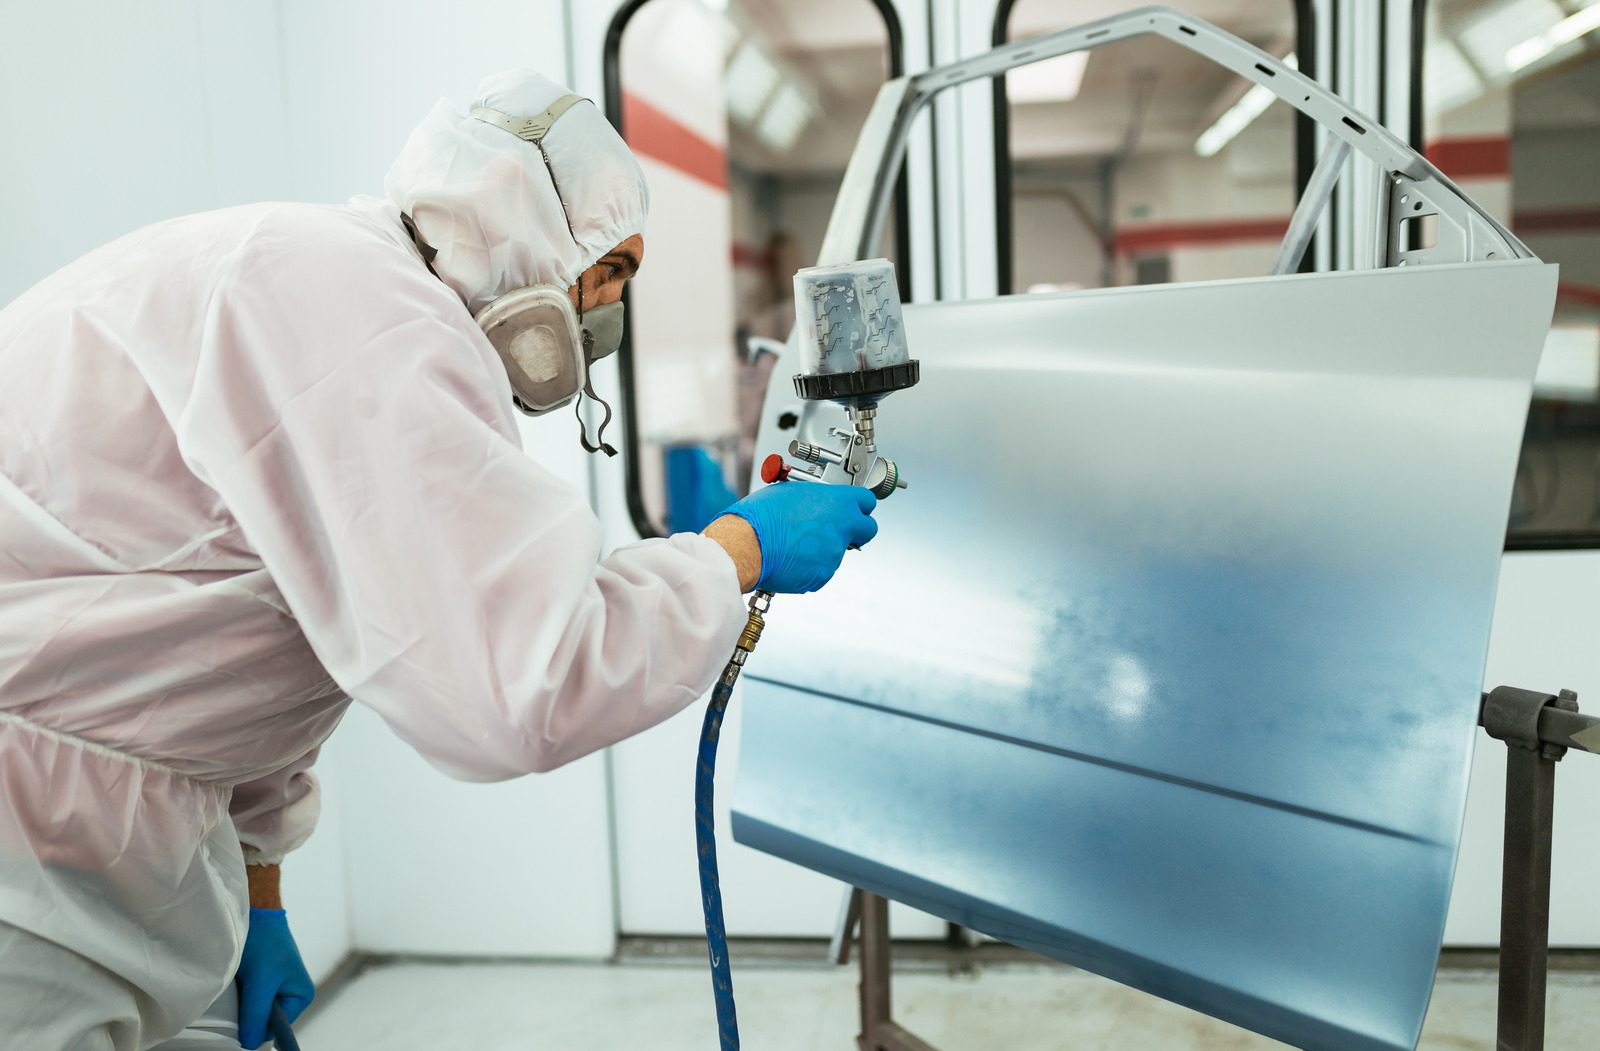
(667, 1007)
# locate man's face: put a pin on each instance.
(602, 283)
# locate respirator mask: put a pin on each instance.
(547, 349)
(545, 345)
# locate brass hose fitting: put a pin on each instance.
(752, 632)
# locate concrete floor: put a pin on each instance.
(666, 1006)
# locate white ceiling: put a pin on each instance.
(1248, 18)
(838, 46)
(837, 50)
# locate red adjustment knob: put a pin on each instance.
(773, 469)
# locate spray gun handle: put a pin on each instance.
(774, 470)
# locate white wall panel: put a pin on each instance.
(104, 116)
(519, 868)
(246, 125)
(361, 73)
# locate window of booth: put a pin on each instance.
(1511, 111)
(744, 114)
(1141, 162)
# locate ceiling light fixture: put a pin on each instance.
(1238, 116)
(1564, 32)
(750, 81)
(1052, 80)
(784, 119)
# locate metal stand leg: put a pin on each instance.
(1525, 898)
(1538, 729)
(879, 1031)
(845, 932)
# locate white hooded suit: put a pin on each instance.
(259, 462)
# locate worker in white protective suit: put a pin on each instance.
(262, 461)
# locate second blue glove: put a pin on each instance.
(270, 972)
(804, 529)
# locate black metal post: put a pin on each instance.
(1525, 898)
(875, 969)
(1537, 729)
(845, 932)
(879, 1030)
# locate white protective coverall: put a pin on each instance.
(255, 463)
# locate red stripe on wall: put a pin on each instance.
(1474, 157)
(750, 257)
(656, 134)
(1157, 237)
(1572, 292)
(1160, 237)
(1570, 220)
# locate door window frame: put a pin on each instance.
(1305, 147)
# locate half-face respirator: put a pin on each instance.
(546, 347)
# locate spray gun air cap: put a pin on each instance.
(852, 335)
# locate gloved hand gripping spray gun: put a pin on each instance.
(853, 352)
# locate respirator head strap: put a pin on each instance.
(533, 130)
(583, 428)
(529, 129)
(426, 250)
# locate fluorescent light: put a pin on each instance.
(1484, 34)
(719, 6)
(785, 118)
(1238, 116)
(1236, 119)
(750, 79)
(1562, 33)
(1053, 80)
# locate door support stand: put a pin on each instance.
(879, 1030)
(1538, 729)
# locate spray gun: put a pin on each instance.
(853, 352)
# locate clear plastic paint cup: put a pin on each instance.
(849, 318)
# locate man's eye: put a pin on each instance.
(612, 270)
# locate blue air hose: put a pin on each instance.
(710, 890)
(705, 829)
(281, 1031)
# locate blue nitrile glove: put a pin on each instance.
(270, 970)
(804, 529)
